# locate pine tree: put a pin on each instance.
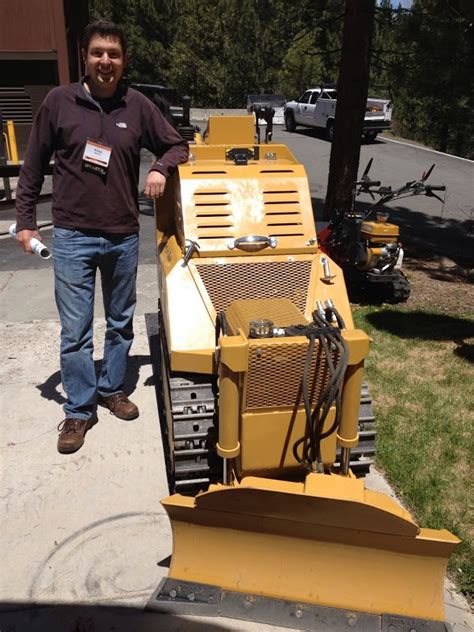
(351, 104)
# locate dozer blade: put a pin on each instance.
(323, 551)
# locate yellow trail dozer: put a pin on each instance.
(261, 374)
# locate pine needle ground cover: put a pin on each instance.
(420, 372)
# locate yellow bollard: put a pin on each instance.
(12, 142)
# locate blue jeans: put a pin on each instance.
(77, 256)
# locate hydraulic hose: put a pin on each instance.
(332, 349)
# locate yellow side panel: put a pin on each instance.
(224, 131)
(169, 253)
(190, 330)
(334, 289)
(267, 440)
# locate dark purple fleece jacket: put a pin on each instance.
(85, 200)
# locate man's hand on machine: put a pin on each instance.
(155, 184)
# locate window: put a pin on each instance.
(314, 97)
(306, 96)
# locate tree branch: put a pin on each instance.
(391, 52)
(321, 53)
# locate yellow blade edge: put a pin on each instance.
(327, 541)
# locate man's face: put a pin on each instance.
(105, 63)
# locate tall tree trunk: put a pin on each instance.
(352, 89)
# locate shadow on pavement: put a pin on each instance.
(28, 617)
(422, 233)
(49, 389)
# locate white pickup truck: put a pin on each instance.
(317, 108)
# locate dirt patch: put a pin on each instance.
(440, 284)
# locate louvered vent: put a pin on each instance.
(212, 214)
(283, 213)
(15, 105)
(213, 217)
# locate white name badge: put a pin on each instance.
(96, 157)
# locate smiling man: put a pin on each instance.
(95, 129)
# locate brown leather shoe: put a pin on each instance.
(120, 406)
(72, 433)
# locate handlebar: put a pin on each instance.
(435, 187)
(413, 188)
(368, 183)
(387, 194)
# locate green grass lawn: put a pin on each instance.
(420, 371)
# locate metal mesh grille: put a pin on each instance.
(275, 374)
(268, 279)
(280, 311)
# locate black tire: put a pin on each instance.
(370, 136)
(290, 123)
(330, 131)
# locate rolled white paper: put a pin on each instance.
(37, 246)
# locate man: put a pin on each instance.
(96, 129)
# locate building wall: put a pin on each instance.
(30, 25)
(34, 28)
(39, 49)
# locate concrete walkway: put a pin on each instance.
(87, 528)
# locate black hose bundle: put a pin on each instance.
(333, 351)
